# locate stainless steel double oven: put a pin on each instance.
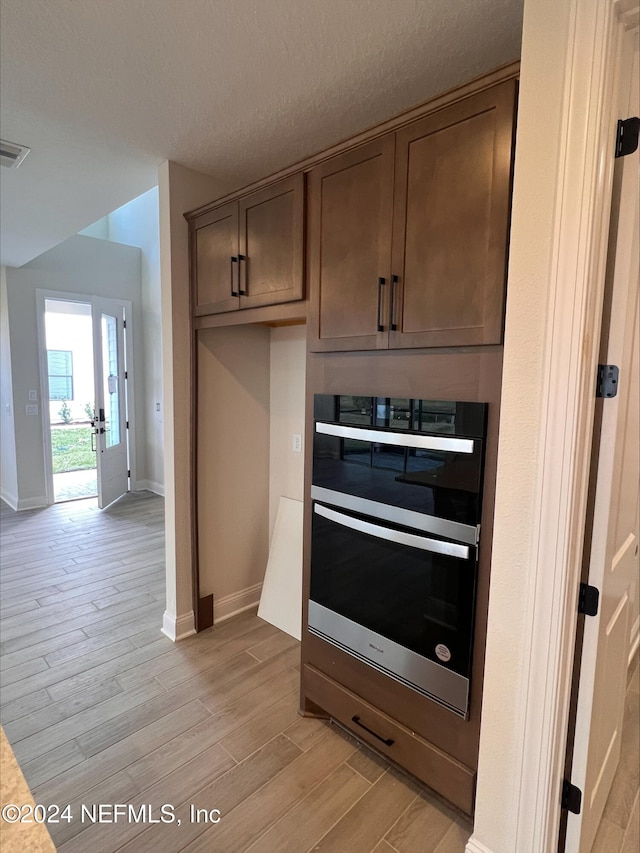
(396, 493)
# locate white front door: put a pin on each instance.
(110, 422)
(613, 562)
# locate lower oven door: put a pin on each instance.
(397, 599)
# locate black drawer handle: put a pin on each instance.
(386, 740)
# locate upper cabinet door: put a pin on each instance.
(350, 215)
(272, 244)
(451, 223)
(214, 258)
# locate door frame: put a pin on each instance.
(85, 298)
(561, 204)
(616, 346)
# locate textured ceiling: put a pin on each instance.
(105, 90)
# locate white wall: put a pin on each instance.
(99, 229)
(80, 265)
(137, 224)
(519, 452)
(233, 464)
(251, 384)
(288, 353)
(8, 470)
(180, 190)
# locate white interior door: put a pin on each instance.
(110, 422)
(613, 568)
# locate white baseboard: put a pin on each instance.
(475, 846)
(10, 500)
(32, 503)
(231, 605)
(178, 627)
(149, 486)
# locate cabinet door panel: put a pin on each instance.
(215, 242)
(350, 214)
(451, 228)
(271, 237)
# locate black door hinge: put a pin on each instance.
(588, 600)
(126, 374)
(124, 324)
(129, 472)
(607, 380)
(627, 136)
(571, 797)
(127, 424)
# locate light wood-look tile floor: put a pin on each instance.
(102, 709)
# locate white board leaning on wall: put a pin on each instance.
(281, 599)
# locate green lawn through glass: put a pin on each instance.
(71, 449)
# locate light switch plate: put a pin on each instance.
(31, 410)
(33, 395)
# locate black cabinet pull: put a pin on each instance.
(381, 283)
(234, 260)
(386, 740)
(394, 281)
(240, 290)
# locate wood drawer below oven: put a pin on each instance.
(451, 779)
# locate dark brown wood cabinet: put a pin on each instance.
(404, 237)
(214, 245)
(248, 252)
(350, 206)
(395, 741)
(408, 235)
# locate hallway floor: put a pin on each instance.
(101, 708)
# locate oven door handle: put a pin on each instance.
(412, 540)
(399, 439)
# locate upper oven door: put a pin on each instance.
(399, 456)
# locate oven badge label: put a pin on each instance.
(443, 652)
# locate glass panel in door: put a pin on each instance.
(111, 408)
(110, 380)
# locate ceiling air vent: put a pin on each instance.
(11, 155)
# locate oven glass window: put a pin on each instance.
(403, 413)
(352, 410)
